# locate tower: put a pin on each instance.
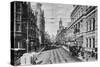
(60, 25)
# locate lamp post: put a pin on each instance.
(27, 40)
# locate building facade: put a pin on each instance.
(40, 23)
(25, 31)
(17, 36)
(60, 33)
(84, 23)
(91, 28)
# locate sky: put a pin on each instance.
(52, 13)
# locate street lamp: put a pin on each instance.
(27, 40)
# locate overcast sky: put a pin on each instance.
(55, 11)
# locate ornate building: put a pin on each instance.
(40, 23)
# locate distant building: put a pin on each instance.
(59, 36)
(60, 26)
(40, 23)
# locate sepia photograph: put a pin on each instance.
(52, 33)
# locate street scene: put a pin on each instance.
(50, 33)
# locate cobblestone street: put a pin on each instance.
(58, 55)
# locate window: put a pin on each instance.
(19, 44)
(86, 42)
(90, 42)
(93, 42)
(18, 27)
(90, 25)
(76, 26)
(87, 25)
(93, 24)
(79, 25)
(18, 17)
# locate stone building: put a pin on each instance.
(40, 23)
(24, 30)
(84, 23)
(91, 28)
(78, 24)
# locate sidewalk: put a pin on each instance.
(87, 57)
(69, 51)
